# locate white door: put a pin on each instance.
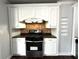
(65, 29)
(50, 46)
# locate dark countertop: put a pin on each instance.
(45, 35)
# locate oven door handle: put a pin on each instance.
(34, 41)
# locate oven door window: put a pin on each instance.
(33, 48)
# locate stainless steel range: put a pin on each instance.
(34, 44)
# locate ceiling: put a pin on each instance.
(34, 1)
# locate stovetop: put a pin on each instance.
(34, 37)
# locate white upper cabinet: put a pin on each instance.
(13, 15)
(26, 12)
(42, 12)
(50, 14)
(46, 12)
(54, 16)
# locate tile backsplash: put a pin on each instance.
(35, 26)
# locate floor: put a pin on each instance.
(45, 57)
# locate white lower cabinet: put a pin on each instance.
(19, 46)
(50, 46)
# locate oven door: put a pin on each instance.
(34, 48)
(34, 45)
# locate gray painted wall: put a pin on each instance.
(4, 35)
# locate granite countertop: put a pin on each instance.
(45, 35)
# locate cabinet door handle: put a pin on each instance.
(34, 41)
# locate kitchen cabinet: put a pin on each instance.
(18, 46)
(14, 17)
(54, 16)
(49, 12)
(50, 46)
(26, 12)
(42, 12)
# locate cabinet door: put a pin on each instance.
(14, 46)
(54, 16)
(26, 12)
(21, 46)
(18, 46)
(42, 12)
(13, 16)
(50, 46)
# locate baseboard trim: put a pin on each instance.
(65, 54)
(61, 54)
(9, 57)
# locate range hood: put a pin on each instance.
(33, 20)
